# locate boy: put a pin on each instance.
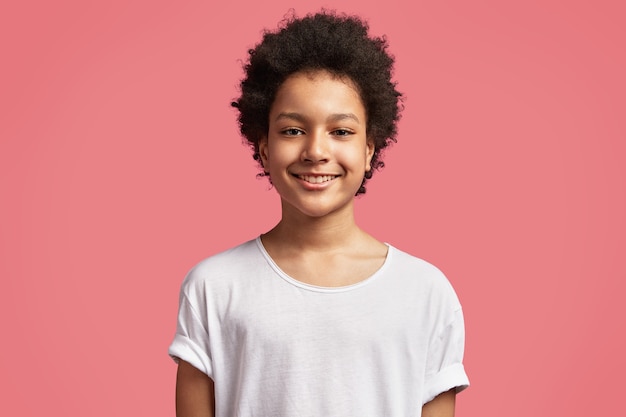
(316, 317)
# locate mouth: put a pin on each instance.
(316, 179)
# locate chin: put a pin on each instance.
(318, 211)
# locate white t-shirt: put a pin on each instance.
(277, 347)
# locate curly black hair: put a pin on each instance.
(326, 41)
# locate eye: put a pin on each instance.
(342, 132)
(292, 131)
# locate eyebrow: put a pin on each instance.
(332, 118)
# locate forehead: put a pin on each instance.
(318, 89)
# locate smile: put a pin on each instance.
(317, 179)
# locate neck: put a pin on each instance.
(300, 232)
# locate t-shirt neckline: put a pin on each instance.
(282, 274)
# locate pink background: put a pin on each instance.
(121, 167)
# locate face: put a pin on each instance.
(316, 150)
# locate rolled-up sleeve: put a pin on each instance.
(191, 341)
(444, 368)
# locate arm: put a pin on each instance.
(441, 406)
(195, 395)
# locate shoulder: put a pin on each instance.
(420, 276)
(223, 266)
(415, 268)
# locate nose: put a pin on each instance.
(316, 147)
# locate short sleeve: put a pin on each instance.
(444, 368)
(191, 341)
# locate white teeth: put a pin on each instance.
(316, 179)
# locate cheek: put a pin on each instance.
(358, 159)
(280, 156)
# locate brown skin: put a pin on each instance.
(318, 127)
(194, 392)
(441, 406)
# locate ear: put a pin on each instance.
(370, 147)
(264, 153)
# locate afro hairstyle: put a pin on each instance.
(325, 41)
